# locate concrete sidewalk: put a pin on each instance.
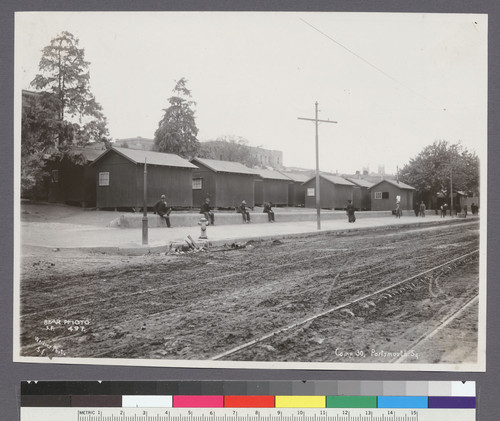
(66, 235)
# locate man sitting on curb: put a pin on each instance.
(207, 211)
(162, 209)
(244, 212)
(268, 208)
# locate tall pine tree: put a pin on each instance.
(64, 74)
(177, 129)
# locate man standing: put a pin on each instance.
(398, 210)
(162, 209)
(350, 211)
(207, 211)
(416, 208)
(422, 208)
(444, 209)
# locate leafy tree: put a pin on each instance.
(431, 170)
(65, 75)
(61, 113)
(177, 129)
(228, 148)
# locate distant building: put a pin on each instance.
(138, 142)
(335, 191)
(296, 189)
(267, 157)
(384, 195)
(120, 179)
(361, 198)
(272, 186)
(73, 183)
(29, 98)
(225, 183)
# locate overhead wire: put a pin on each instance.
(371, 64)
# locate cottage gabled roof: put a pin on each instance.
(138, 156)
(401, 185)
(360, 182)
(295, 176)
(272, 175)
(225, 166)
(334, 179)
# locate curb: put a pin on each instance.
(138, 251)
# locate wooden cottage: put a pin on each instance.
(361, 193)
(72, 181)
(296, 189)
(225, 183)
(335, 191)
(120, 179)
(384, 195)
(272, 186)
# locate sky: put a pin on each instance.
(394, 83)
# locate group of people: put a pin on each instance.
(419, 209)
(162, 209)
(245, 212)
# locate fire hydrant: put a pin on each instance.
(203, 226)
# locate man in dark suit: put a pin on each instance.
(162, 209)
(207, 211)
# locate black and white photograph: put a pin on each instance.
(296, 190)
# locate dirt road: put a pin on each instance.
(201, 305)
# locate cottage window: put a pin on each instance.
(378, 195)
(54, 176)
(385, 195)
(310, 191)
(104, 178)
(197, 183)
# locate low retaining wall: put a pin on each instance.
(134, 220)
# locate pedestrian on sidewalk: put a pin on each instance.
(350, 211)
(245, 213)
(444, 208)
(422, 209)
(416, 208)
(161, 208)
(268, 208)
(465, 211)
(206, 210)
(398, 210)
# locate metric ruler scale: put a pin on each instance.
(246, 414)
(248, 401)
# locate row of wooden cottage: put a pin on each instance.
(115, 179)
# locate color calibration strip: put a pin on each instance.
(404, 395)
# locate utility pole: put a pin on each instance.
(317, 193)
(145, 205)
(451, 186)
